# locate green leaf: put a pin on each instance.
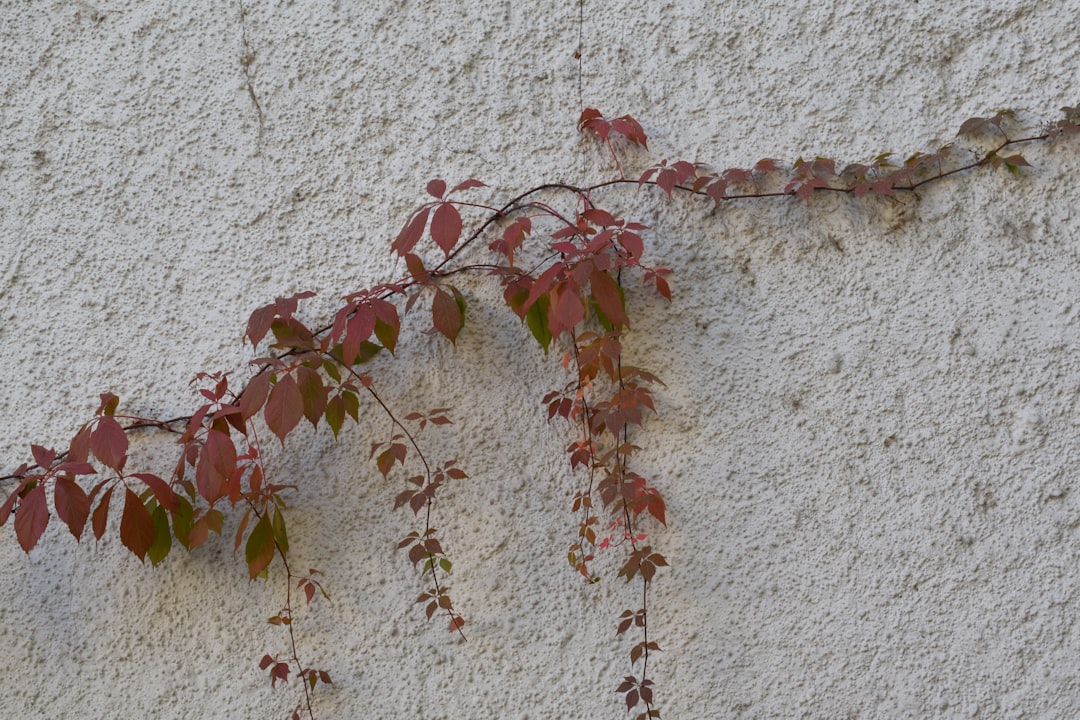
(280, 535)
(352, 404)
(182, 519)
(162, 537)
(335, 414)
(537, 320)
(259, 550)
(448, 313)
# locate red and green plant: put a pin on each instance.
(565, 262)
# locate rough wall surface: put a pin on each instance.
(869, 434)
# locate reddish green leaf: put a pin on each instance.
(109, 403)
(313, 393)
(447, 315)
(446, 227)
(416, 267)
(259, 550)
(357, 331)
(284, 408)
(31, 517)
(162, 492)
(72, 505)
(136, 525)
(109, 443)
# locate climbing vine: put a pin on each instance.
(565, 263)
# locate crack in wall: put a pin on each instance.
(246, 60)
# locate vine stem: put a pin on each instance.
(288, 582)
(427, 474)
(517, 203)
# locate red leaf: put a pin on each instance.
(254, 395)
(446, 314)
(598, 217)
(109, 443)
(101, 514)
(446, 227)
(284, 408)
(436, 188)
(259, 323)
(411, 233)
(162, 492)
(629, 128)
(79, 449)
(593, 119)
(31, 518)
(566, 311)
(632, 243)
(542, 285)
(136, 525)
(44, 458)
(470, 183)
(217, 461)
(9, 503)
(72, 505)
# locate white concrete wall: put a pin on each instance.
(869, 435)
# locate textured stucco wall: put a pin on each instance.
(869, 438)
